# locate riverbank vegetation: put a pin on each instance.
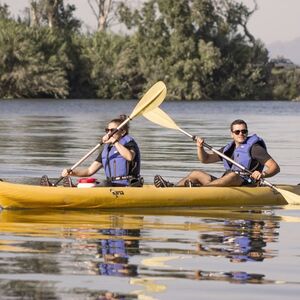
(201, 49)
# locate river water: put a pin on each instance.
(241, 253)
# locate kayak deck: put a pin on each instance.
(29, 196)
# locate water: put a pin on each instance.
(154, 254)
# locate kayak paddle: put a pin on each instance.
(159, 117)
(153, 98)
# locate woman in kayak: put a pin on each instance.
(120, 158)
(248, 151)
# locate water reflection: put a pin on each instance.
(233, 277)
(17, 289)
(115, 251)
(115, 296)
(145, 247)
(241, 240)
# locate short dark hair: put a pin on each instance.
(238, 122)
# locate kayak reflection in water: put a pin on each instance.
(115, 296)
(248, 243)
(233, 277)
(242, 241)
(248, 151)
(116, 250)
(120, 158)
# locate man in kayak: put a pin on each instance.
(248, 151)
(120, 158)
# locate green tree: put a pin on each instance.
(151, 43)
(106, 62)
(4, 12)
(32, 62)
(54, 14)
(244, 69)
(201, 48)
(285, 84)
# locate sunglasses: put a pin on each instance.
(243, 131)
(107, 130)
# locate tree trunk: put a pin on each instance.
(104, 11)
(34, 14)
(101, 12)
(52, 8)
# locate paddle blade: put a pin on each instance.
(290, 197)
(153, 98)
(159, 117)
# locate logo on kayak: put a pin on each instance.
(116, 193)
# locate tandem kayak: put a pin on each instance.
(14, 196)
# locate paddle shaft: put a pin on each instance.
(226, 157)
(92, 151)
(153, 98)
(159, 117)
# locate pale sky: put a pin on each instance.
(275, 20)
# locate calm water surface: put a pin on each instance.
(244, 253)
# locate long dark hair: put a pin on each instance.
(120, 120)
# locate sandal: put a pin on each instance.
(160, 182)
(67, 182)
(45, 181)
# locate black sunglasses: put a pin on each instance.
(243, 131)
(107, 130)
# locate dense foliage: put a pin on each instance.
(201, 49)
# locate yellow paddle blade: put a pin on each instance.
(158, 261)
(153, 98)
(150, 286)
(159, 117)
(291, 198)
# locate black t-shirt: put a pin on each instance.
(258, 153)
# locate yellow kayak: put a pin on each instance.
(29, 196)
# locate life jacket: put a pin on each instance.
(116, 167)
(242, 154)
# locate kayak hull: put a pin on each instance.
(29, 196)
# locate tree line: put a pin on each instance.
(201, 49)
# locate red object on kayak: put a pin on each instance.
(87, 180)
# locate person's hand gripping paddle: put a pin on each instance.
(153, 98)
(159, 117)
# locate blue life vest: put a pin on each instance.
(116, 245)
(242, 154)
(115, 165)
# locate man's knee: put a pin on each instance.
(200, 177)
(196, 173)
(233, 178)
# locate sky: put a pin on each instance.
(275, 20)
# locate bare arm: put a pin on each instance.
(203, 156)
(128, 154)
(125, 152)
(92, 169)
(272, 168)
